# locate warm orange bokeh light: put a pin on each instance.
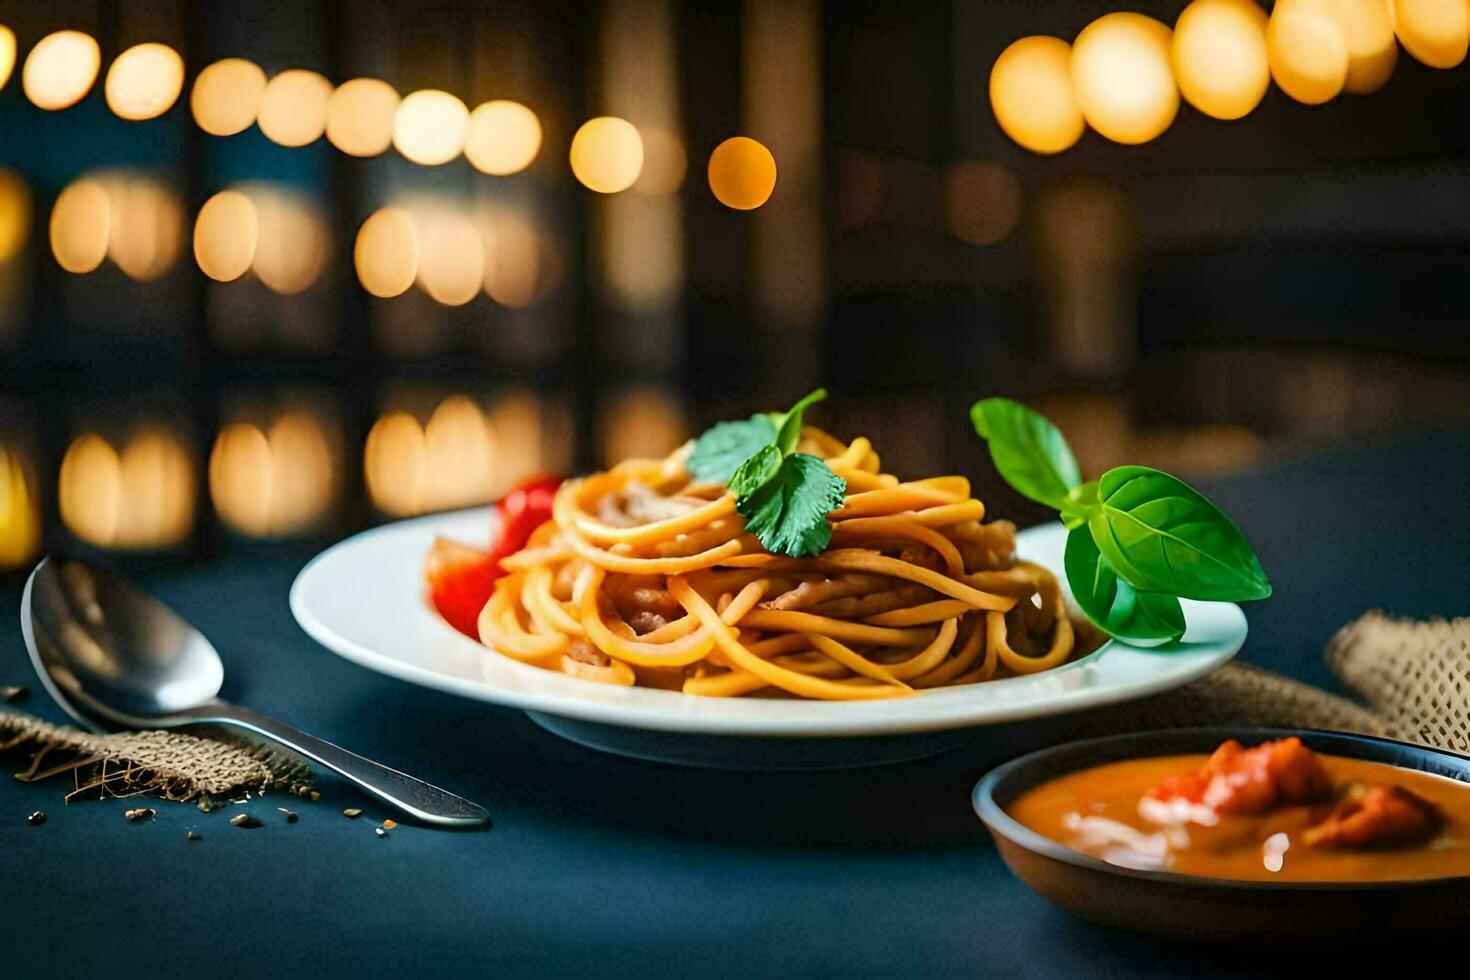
(1433, 31)
(360, 117)
(7, 54)
(293, 107)
(20, 511)
(1219, 56)
(742, 173)
(982, 201)
(60, 69)
(429, 127)
(293, 243)
(451, 255)
(502, 137)
(141, 498)
(15, 214)
(278, 482)
(226, 96)
(225, 235)
(1123, 79)
(1031, 94)
(144, 81)
(607, 154)
(386, 253)
(81, 221)
(395, 465)
(146, 232)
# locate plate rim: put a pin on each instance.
(845, 719)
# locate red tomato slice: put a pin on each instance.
(460, 581)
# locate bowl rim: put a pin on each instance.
(1002, 824)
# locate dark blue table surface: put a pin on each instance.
(602, 864)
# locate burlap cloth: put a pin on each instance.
(1413, 679)
(210, 767)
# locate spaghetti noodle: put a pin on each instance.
(646, 576)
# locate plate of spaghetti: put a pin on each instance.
(635, 610)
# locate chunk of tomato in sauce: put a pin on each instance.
(1241, 780)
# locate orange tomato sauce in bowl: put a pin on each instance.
(1346, 820)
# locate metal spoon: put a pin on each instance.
(113, 656)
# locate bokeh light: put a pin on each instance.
(502, 137)
(460, 455)
(273, 483)
(607, 154)
(226, 96)
(360, 116)
(60, 69)
(386, 253)
(144, 81)
(89, 490)
(7, 54)
(139, 499)
(293, 242)
(1219, 56)
(293, 107)
(15, 214)
(1306, 51)
(664, 162)
(1367, 30)
(157, 483)
(429, 127)
(451, 255)
(515, 272)
(146, 230)
(20, 511)
(982, 201)
(80, 224)
(1122, 76)
(1032, 97)
(642, 423)
(225, 235)
(395, 465)
(1433, 31)
(742, 173)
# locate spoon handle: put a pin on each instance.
(413, 796)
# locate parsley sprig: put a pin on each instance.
(784, 496)
(1139, 539)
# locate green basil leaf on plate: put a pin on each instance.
(1118, 609)
(788, 512)
(1028, 450)
(1161, 535)
(719, 452)
(755, 472)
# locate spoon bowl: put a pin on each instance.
(113, 657)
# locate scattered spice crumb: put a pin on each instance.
(389, 824)
(352, 813)
(244, 820)
(313, 795)
(192, 834)
(290, 815)
(380, 832)
(14, 693)
(36, 819)
(205, 805)
(142, 813)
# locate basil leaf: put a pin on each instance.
(720, 451)
(1162, 535)
(788, 426)
(1118, 609)
(788, 512)
(1029, 451)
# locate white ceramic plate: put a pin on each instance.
(364, 599)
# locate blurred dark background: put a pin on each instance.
(1226, 295)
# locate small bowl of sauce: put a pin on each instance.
(1235, 832)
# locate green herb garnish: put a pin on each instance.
(784, 496)
(1139, 539)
